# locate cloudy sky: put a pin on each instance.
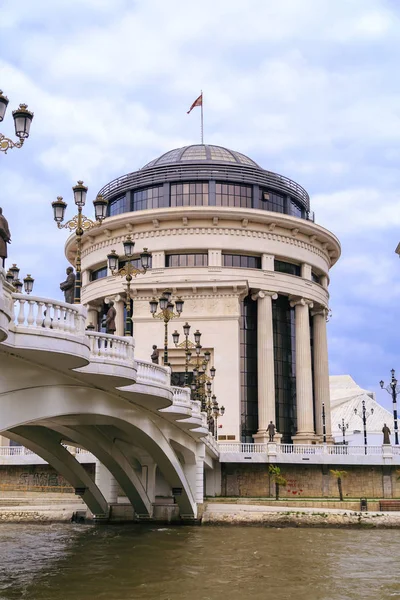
(306, 88)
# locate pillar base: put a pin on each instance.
(305, 438)
(320, 439)
(262, 437)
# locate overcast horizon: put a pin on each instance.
(306, 89)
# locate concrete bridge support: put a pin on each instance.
(106, 483)
(116, 464)
(47, 444)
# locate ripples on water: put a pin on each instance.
(68, 562)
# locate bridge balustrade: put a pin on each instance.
(35, 312)
(151, 373)
(112, 347)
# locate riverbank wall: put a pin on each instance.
(289, 516)
(310, 481)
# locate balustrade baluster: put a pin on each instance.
(31, 318)
(47, 319)
(56, 318)
(39, 314)
(63, 318)
(21, 312)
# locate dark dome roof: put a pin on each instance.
(204, 153)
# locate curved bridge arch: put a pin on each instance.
(78, 405)
(46, 443)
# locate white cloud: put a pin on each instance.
(305, 88)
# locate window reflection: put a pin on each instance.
(117, 206)
(285, 367)
(189, 194)
(287, 267)
(242, 261)
(187, 260)
(147, 198)
(227, 194)
(271, 201)
(98, 274)
(248, 369)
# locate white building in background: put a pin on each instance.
(240, 246)
(346, 397)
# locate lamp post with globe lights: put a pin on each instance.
(187, 344)
(129, 271)
(79, 223)
(364, 416)
(393, 389)
(166, 314)
(22, 123)
(343, 427)
(12, 276)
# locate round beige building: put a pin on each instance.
(240, 246)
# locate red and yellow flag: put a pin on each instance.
(197, 102)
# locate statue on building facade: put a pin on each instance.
(155, 354)
(68, 286)
(271, 431)
(110, 318)
(386, 434)
(5, 238)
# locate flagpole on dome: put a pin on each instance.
(199, 102)
(202, 121)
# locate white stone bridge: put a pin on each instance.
(61, 385)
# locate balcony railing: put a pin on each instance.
(306, 449)
(150, 373)
(111, 347)
(44, 314)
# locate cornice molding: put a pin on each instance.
(322, 252)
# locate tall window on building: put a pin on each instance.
(285, 368)
(186, 260)
(248, 369)
(189, 194)
(227, 194)
(295, 210)
(287, 267)
(315, 278)
(98, 274)
(117, 206)
(242, 261)
(271, 201)
(147, 198)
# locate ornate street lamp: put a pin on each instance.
(217, 412)
(393, 389)
(364, 416)
(166, 314)
(187, 344)
(129, 271)
(12, 276)
(202, 378)
(343, 428)
(79, 224)
(22, 123)
(28, 284)
(323, 424)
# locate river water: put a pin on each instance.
(79, 562)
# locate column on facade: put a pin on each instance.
(321, 371)
(304, 385)
(92, 316)
(119, 317)
(265, 363)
